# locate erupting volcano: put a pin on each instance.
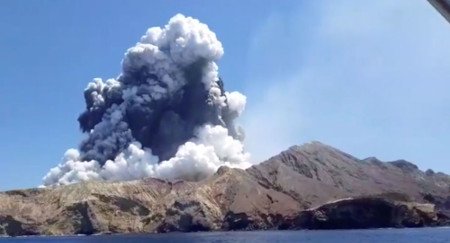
(166, 115)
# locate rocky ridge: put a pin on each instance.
(313, 186)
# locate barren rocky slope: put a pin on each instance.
(315, 173)
(308, 186)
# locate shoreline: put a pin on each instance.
(130, 235)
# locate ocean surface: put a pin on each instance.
(317, 236)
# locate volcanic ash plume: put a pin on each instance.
(166, 115)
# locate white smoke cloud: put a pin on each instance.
(72, 170)
(195, 160)
(164, 53)
(202, 156)
(236, 101)
(187, 38)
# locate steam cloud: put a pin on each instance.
(166, 115)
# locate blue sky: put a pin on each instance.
(368, 77)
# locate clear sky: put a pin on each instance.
(371, 78)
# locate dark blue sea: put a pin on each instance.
(335, 236)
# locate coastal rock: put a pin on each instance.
(312, 186)
(361, 213)
(315, 173)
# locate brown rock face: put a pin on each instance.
(369, 212)
(315, 173)
(231, 199)
(289, 191)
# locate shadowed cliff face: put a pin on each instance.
(295, 189)
(369, 212)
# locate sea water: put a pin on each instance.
(440, 235)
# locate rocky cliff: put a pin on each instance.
(311, 186)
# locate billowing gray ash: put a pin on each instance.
(166, 115)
